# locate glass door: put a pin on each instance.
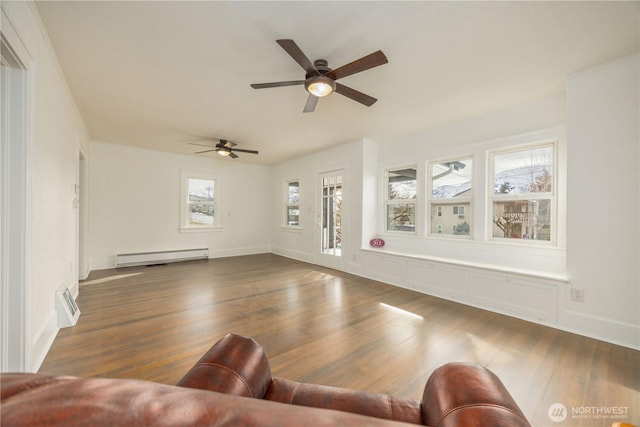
(331, 220)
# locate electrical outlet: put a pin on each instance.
(577, 294)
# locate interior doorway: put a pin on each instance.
(81, 197)
(15, 202)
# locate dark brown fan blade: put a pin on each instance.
(241, 150)
(366, 62)
(205, 151)
(233, 156)
(310, 106)
(296, 53)
(355, 95)
(277, 84)
(225, 143)
(200, 145)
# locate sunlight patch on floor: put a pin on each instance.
(401, 311)
(108, 279)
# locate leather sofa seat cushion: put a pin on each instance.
(359, 402)
(235, 365)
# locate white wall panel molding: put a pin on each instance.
(514, 295)
(537, 274)
(437, 279)
(385, 268)
(539, 298)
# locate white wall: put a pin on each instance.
(57, 134)
(518, 278)
(300, 242)
(134, 204)
(366, 160)
(603, 225)
(537, 121)
(598, 176)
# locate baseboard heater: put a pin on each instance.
(161, 257)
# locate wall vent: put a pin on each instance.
(68, 311)
(161, 257)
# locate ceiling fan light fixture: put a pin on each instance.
(320, 85)
(224, 152)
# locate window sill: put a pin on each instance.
(200, 229)
(477, 265)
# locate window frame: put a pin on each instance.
(288, 205)
(388, 202)
(443, 204)
(185, 225)
(551, 196)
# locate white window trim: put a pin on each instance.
(387, 202)
(185, 227)
(285, 222)
(450, 202)
(552, 196)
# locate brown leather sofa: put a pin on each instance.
(232, 385)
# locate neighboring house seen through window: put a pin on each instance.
(523, 195)
(198, 210)
(292, 207)
(450, 201)
(401, 194)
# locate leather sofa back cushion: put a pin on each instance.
(234, 365)
(42, 400)
(359, 402)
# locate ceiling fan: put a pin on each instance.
(320, 80)
(224, 148)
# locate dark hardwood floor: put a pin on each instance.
(323, 326)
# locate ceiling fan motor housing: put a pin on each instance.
(322, 66)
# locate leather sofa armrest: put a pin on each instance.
(234, 365)
(462, 394)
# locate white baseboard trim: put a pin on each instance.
(600, 328)
(297, 255)
(217, 253)
(103, 263)
(42, 342)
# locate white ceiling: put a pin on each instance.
(161, 74)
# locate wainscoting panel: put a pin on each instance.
(527, 295)
(386, 268)
(436, 279)
(515, 295)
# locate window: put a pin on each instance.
(400, 198)
(451, 195)
(199, 202)
(522, 197)
(292, 207)
(458, 210)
